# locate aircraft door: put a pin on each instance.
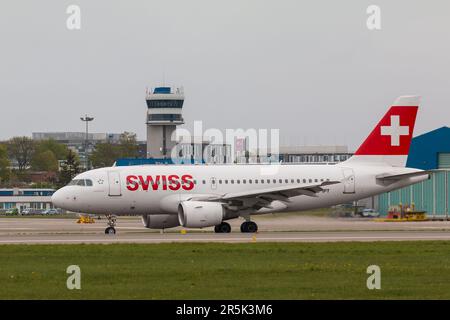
(349, 180)
(114, 183)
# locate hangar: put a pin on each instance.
(429, 151)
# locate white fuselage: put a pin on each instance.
(114, 192)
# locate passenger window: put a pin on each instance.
(250, 181)
(268, 180)
(195, 181)
(244, 181)
(220, 181)
(226, 181)
(262, 180)
(238, 181)
(286, 180)
(232, 181)
(256, 181)
(203, 181)
(280, 180)
(292, 180)
(315, 180)
(274, 180)
(298, 180)
(304, 180)
(310, 180)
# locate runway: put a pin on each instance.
(279, 229)
(231, 238)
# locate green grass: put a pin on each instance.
(410, 270)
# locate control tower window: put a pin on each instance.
(165, 117)
(165, 103)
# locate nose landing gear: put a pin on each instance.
(111, 224)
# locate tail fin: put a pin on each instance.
(389, 142)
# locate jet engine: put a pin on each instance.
(160, 221)
(200, 214)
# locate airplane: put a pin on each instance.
(199, 196)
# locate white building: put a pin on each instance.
(39, 199)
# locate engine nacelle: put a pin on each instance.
(160, 221)
(200, 214)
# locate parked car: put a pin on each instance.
(51, 211)
(29, 211)
(370, 213)
(26, 211)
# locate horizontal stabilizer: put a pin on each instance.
(390, 177)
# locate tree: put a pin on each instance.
(45, 161)
(46, 155)
(5, 171)
(129, 146)
(105, 154)
(21, 149)
(69, 168)
(59, 150)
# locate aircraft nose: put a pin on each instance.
(57, 198)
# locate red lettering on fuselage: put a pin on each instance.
(172, 182)
(132, 183)
(145, 182)
(187, 182)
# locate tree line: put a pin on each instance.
(56, 158)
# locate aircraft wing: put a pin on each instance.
(262, 198)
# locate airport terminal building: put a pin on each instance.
(38, 199)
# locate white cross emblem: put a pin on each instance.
(395, 130)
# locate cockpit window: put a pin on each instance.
(81, 182)
(73, 182)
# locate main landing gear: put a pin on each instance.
(224, 227)
(111, 224)
(246, 227)
(249, 227)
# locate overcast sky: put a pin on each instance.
(310, 68)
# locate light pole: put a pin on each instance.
(86, 119)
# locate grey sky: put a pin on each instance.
(310, 68)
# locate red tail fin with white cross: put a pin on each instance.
(389, 142)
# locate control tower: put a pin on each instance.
(164, 114)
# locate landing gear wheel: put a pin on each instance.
(249, 227)
(222, 228)
(110, 230)
(111, 224)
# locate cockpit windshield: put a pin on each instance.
(81, 182)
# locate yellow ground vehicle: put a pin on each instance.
(86, 219)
